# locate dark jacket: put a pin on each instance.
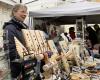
(92, 36)
(13, 28)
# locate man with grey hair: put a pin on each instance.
(13, 27)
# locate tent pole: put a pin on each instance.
(20, 1)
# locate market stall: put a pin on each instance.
(77, 61)
(42, 58)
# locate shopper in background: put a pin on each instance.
(44, 28)
(97, 30)
(37, 27)
(92, 36)
(72, 33)
(54, 32)
(68, 37)
(14, 27)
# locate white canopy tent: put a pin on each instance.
(69, 12)
(69, 9)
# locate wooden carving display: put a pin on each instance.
(78, 51)
(39, 48)
(22, 51)
(41, 39)
(55, 57)
(52, 64)
(63, 46)
(35, 40)
(33, 43)
(64, 53)
(53, 49)
(29, 40)
(72, 51)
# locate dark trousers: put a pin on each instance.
(16, 69)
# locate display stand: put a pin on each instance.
(26, 59)
(58, 61)
(56, 65)
(36, 44)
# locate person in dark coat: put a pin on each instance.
(92, 36)
(72, 33)
(97, 30)
(13, 29)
